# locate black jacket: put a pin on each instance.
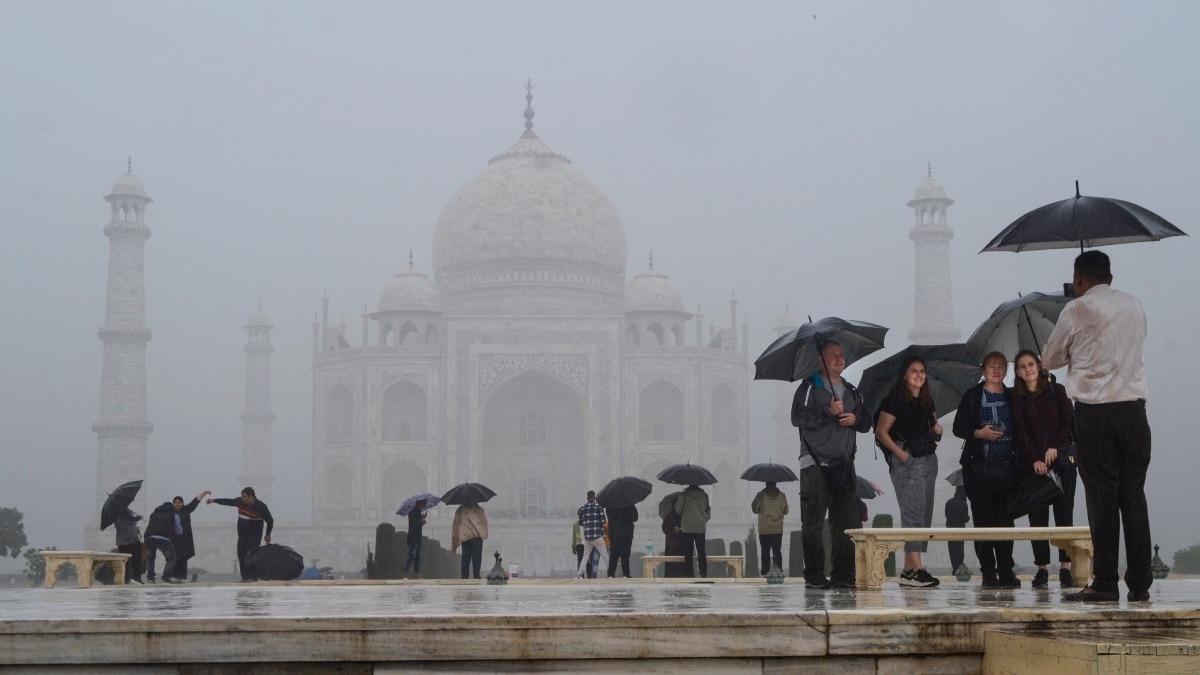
(185, 545)
(620, 522)
(162, 521)
(967, 420)
(250, 518)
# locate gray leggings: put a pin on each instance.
(914, 483)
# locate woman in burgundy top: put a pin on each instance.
(1043, 415)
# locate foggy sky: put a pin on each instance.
(764, 149)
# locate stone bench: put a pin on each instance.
(86, 563)
(873, 545)
(649, 562)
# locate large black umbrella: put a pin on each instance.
(1024, 323)
(793, 355)
(1032, 492)
(118, 500)
(623, 491)
(274, 563)
(666, 504)
(1082, 221)
(950, 371)
(687, 474)
(468, 493)
(769, 472)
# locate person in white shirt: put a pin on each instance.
(1099, 338)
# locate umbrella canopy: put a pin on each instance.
(1032, 492)
(793, 355)
(865, 489)
(687, 474)
(950, 371)
(667, 503)
(955, 478)
(118, 500)
(409, 504)
(468, 493)
(1024, 323)
(769, 473)
(623, 491)
(274, 563)
(1082, 221)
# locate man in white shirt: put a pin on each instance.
(1099, 338)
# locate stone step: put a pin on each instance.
(1096, 651)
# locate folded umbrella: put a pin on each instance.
(118, 500)
(274, 562)
(1032, 492)
(793, 355)
(624, 491)
(955, 478)
(769, 472)
(1024, 323)
(411, 503)
(468, 493)
(950, 371)
(687, 474)
(863, 488)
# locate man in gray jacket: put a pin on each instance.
(694, 512)
(829, 412)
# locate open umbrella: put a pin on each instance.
(118, 500)
(274, 563)
(950, 371)
(769, 472)
(687, 474)
(1024, 323)
(1082, 221)
(865, 489)
(468, 493)
(667, 503)
(411, 503)
(624, 491)
(793, 355)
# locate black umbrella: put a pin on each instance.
(1032, 492)
(1024, 323)
(955, 478)
(863, 488)
(1082, 221)
(274, 563)
(950, 371)
(666, 504)
(687, 474)
(793, 355)
(769, 473)
(623, 491)
(118, 500)
(468, 493)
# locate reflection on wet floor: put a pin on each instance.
(533, 599)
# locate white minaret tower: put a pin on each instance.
(123, 429)
(257, 417)
(934, 317)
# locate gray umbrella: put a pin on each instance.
(1024, 323)
(667, 503)
(793, 355)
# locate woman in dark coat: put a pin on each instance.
(1044, 417)
(185, 545)
(984, 419)
(674, 543)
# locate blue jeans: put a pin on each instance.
(414, 557)
(168, 549)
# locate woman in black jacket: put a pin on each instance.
(185, 545)
(984, 420)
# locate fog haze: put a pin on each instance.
(760, 150)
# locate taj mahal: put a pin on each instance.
(526, 360)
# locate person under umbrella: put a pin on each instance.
(796, 354)
(619, 498)
(771, 505)
(694, 513)
(416, 526)
(129, 541)
(950, 370)
(672, 540)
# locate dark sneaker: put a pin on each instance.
(150, 580)
(990, 580)
(844, 585)
(908, 578)
(1138, 596)
(1089, 594)
(1009, 580)
(1041, 579)
(818, 583)
(171, 580)
(1065, 579)
(926, 580)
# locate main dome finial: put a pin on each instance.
(529, 106)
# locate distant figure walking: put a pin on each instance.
(771, 505)
(416, 526)
(470, 528)
(252, 515)
(694, 513)
(591, 522)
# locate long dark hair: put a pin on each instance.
(923, 398)
(1043, 379)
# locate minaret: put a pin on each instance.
(257, 417)
(122, 430)
(934, 300)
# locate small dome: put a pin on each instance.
(128, 184)
(410, 290)
(930, 189)
(652, 292)
(786, 321)
(259, 319)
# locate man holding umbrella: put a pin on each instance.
(829, 412)
(1099, 337)
(771, 506)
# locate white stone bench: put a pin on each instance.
(86, 563)
(649, 562)
(872, 545)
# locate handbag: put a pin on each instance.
(839, 474)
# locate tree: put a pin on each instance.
(12, 532)
(35, 566)
(1187, 561)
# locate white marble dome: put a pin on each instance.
(652, 292)
(410, 290)
(930, 189)
(259, 319)
(128, 184)
(529, 217)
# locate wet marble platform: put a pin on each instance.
(547, 626)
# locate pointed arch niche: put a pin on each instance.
(403, 413)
